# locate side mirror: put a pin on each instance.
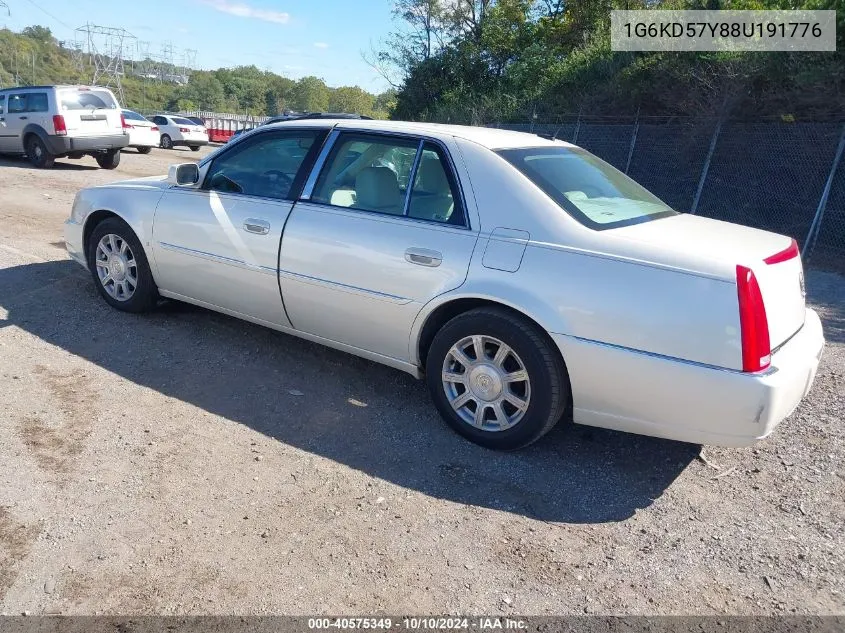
(184, 174)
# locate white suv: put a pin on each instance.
(177, 130)
(50, 122)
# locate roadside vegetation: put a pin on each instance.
(484, 61)
(34, 57)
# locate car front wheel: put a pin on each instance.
(120, 267)
(496, 378)
(195, 148)
(166, 142)
(145, 150)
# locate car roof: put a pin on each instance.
(55, 86)
(492, 138)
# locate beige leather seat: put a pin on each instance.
(377, 189)
(431, 198)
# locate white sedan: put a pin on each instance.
(177, 130)
(144, 135)
(525, 279)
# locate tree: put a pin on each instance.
(351, 99)
(310, 94)
(38, 33)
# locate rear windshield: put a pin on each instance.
(593, 192)
(180, 121)
(87, 99)
(132, 116)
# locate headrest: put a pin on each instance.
(377, 188)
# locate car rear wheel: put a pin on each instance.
(195, 148)
(38, 154)
(496, 378)
(145, 150)
(120, 267)
(108, 160)
(166, 142)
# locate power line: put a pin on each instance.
(43, 10)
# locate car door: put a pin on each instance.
(16, 118)
(375, 236)
(5, 142)
(218, 242)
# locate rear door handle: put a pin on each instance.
(254, 225)
(23, 118)
(423, 257)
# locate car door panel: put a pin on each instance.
(205, 250)
(345, 275)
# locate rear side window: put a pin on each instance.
(434, 194)
(36, 102)
(17, 103)
(590, 190)
(87, 100)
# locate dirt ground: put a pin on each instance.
(184, 462)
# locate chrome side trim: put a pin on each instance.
(308, 189)
(768, 372)
(217, 258)
(343, 347)
(317, 281)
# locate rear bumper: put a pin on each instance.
(190, 141)
(632, 391)
(60, 145)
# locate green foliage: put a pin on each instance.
(33, 56)
(499, 60)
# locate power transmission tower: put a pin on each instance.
(189, 62)
(106, 49)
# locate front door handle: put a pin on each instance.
(423, 257)
(23, 118)
(253, 225)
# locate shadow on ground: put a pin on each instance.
(357, 413)
(68, 164)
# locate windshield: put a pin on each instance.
(593, 192)
(87, 99)
(132, 116)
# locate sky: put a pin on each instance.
(294, 38)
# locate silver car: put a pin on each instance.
(525, 279)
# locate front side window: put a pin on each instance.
(265, 166)
(2, 104)
(589, 189)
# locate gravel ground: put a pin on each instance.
(184, 462)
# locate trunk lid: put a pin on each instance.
(90, 112)
(773, 258)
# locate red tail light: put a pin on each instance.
(154, 128)
(123, 123)
(59, 125)
(753, 323)
(184, 129)
(786, 254)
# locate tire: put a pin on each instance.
(144, 296)
(38, 154)
(108, 160)
(544, 395)
(195, 148)
(166, 142)
(144, 150)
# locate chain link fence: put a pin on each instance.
(786, 177)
